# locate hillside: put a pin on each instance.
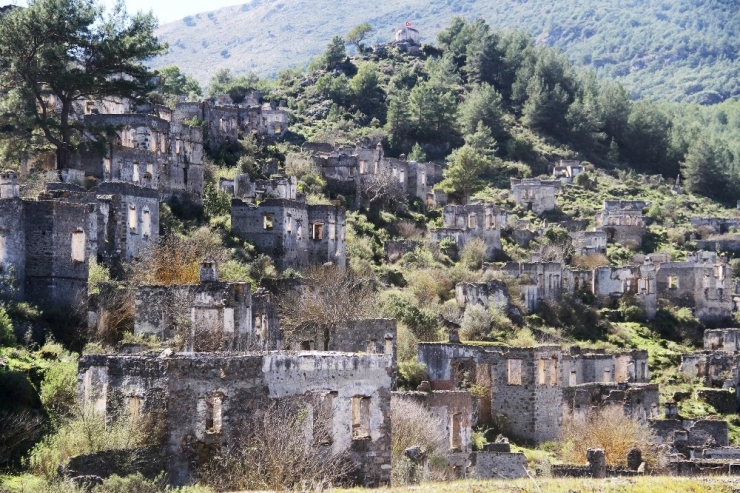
(680, 51)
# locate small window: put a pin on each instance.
(541, 372)
(106, 165)
(363, 167)
(178, 146)
(162, 143)
(607, 376)
(423, 178)
(332, 231)
(305, 345)
(388, 345)
(150, 169)
(147, 226)
(553, 371)
(402, 177)
(214, 407)
(490, 221)
(672, 282)
(222, 125)
(514, 371)
(371, 345)
(573, 380)
(299, 230)
(153, 142)
(134, 407)
(360, 417)
(317, 231)
(456, 432)
(132, 222)
(136, 172)
(267, 221)
(78, 245)
(472, 220)
(289, 223)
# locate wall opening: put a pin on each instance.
(607, 376)
(388, 345)
(132, 223)
(134, 407)
(514, 367)
(136, 172)
(371, 345)
(542, 380)
(360, 417)
(490, 221)
(147, 223)
(289, 223)
(553, 371)
(214, 408)
(455, 432)
(472, 220)
(267, 221)
(305, 345)
(78, 245)
(573, 379)
(672, 282)
(317, 231)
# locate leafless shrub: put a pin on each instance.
(590, 261)
(558, 251)
(413, 425)
(18, 431)
(176, 259)
(409, 230)
(608, 428)
(382, 189)
(286, 447)
(115, 314)
(473, 254)
(330, 297)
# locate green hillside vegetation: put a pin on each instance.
(488, 105)
(684, 50)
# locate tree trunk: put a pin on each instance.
(63, 150)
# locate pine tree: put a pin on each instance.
(482, 105)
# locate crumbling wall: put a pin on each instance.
(535, 195)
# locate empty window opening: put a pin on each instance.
(553, 371)
(490, 221)
(306, 346)
(402, 177)
(299, 230)
(607, 376)
(542, 380)
(332, 231)
(228, 320)
(472, 220)
(78, 245)
(456, 432)
(178, 146)
(153, 139)
(214, 407)
(317, 231)
(222, 125)
(134, 407)
(360, 417)
(423, 178)
(363, 167)
(289, 223)
(514, 371)
(643, 371)
(89, 107)
(147, 223)
(371, 346)
(388, 345)
(150, 170)
(672, 282)
(573, 380)
(132, 222)
(162, 143)
(106, 165)
(267, 221)
(136, 172)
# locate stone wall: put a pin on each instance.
(462, 223)
(203, 400)
(535, 195)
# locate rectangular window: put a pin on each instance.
(332, 231)
(153, 142)
(267, 221)
(134, 407)
(363, 167)
(573, 380)
(317, 231)
(136, 173)
(541, 372)
(388, 345)
(147, 223)
(371, 345)
(672, 282)
(360, 417)
(214, 407)
(607, 376)
(553, 371)
(132, 220)
(178, 146)
(472, 220)
(514, 367)
(456, 432)
(289, 223)
(490, 221)
(78, 245)
(162, 143)
(299, 230)
(228, 320)
(106, 166)
(150, 170)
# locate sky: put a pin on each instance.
(165, 10)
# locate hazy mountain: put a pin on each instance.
(677, 50)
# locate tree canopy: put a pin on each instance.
(58, 52)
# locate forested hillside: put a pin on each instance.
(678, 51)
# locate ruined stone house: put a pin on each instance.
(208, 316)
(718, 364)
(528, 385)
(535, 195)
(623, 221)
(46, 244)
(462, 223)
(202, 401)
(566, 170)
(612, 284)
(244, 188)
(589, 242)
(294, 234)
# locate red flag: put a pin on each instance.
(408, 24)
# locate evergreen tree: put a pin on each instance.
(463, 175)
(357, 34)
(417, 154)
(398, 121)
(335, 53)
(365, 89)
(481, 105)
(55, 53)
(704, 169)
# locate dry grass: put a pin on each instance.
(413, 425)
(610, 429)
(590, 261)
(648, 484)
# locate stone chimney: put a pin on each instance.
(9, 188)
(208, 270)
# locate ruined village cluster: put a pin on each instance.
(237, 358)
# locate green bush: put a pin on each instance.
(410, 374)
(59, 388)
(476, 323)
(7, 336)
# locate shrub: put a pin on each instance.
(411, 373)
(476, 323)
(59, 387)
(18, 431)
(284, 448)
(395, 304)
(7, 336)
(473, 254)
(412, 424)
(608, 428)
(407, 343)
(429, 285)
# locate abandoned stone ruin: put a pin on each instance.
(535, 195)
(462, 223)
(348, 169)
(624, 221)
